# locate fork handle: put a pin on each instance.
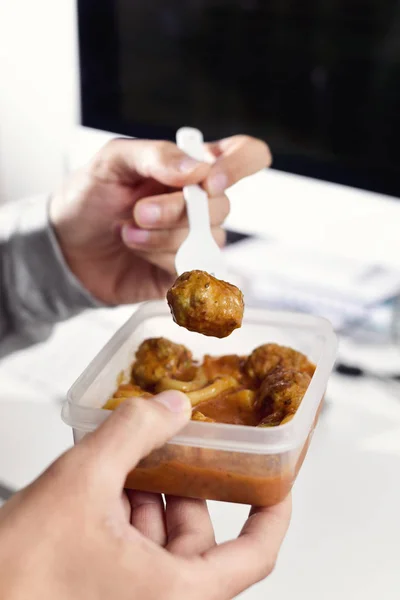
(196, 201)
(191, 141)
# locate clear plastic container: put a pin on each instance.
(215, 461)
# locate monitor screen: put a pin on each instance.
(319, 80)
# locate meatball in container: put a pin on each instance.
(217, 461)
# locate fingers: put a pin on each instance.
(165, 240)
(126, 506)
(163, 264)
(131, 432)
(236, 157)
(148, 515)
(126, 161)
(253, 555)
(190, 531)
(168, 211)
(165, 261)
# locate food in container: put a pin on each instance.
(221, 461)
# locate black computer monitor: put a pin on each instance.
(319, 80)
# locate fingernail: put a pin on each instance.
(217, 184)
(187, 165)
(176, 402)
(148, 214)
(132, 235)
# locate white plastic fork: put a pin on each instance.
(199, 250)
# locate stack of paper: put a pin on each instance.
(282, 276)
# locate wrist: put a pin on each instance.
(61, 228)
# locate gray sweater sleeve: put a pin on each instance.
(37, 287)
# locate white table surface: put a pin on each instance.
(344, 538)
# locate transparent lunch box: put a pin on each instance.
(215, 461)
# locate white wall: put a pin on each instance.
(38, 93)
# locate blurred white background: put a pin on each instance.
(39, 93)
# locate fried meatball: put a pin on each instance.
(268, 357)
(281, 393)
(200, 302)
(157, 358)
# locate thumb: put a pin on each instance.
(134, 429)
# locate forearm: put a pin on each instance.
(37, 288)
